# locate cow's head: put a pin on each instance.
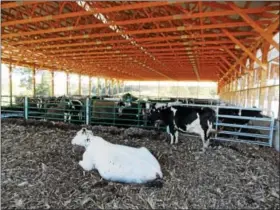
(82, 137)
(158, 116)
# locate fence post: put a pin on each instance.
(217, 120)
(26, 107)
(87, 111)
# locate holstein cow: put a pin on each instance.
(186, 120)
(77, 112)
(63, 108)
(116, 162)
(133, 112)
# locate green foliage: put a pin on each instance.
(44, 89)
(25, 77)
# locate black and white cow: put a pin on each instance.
(62, 108)
(77, 110)
(186, 120)
(133, 112)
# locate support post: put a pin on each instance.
(34, 81)
(98, 87)
(67, 83)
(158, 90)
(52, 83)
(26, 107)
(197, 90)
(80, 84)
(112, 87)
(11, 83)
(106, 89)
(87, 111)
(89, 86)
(139, 89)
(118, 87)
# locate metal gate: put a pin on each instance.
(258, 130)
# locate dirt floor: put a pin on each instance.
(40, 169)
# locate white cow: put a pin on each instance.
(117, 162)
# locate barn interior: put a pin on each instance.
(205, 53)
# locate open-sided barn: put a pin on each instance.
(129, 71)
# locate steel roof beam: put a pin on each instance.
(235, 58)
(138, 21)
(270, 29)
(254, 25)
(85, 13)
(20, 3)
(83, 50)
(209, 35)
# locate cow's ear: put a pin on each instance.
(83, 130)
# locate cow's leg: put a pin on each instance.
(176, 136)
(171, 133)
(203, 142)
(86, 163)
(65, 116)
(80, 115)
(171, 136)
(70, 117)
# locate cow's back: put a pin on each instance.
(128, 164)
(185, 115)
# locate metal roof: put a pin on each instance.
(133, 40)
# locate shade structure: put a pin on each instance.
(137, 40)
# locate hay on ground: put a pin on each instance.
(40, 170)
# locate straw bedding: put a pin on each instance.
(40, 169)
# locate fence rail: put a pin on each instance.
(93, 112)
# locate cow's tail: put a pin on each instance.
(158, 182)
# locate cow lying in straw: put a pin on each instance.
(117, 162)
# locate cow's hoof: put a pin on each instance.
(198, 153)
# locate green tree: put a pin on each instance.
(43, 89)
(25, 77)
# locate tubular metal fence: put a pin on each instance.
(99, 112)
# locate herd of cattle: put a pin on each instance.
(177, 115)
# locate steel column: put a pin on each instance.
(26, 107)
(67, 83)
(34, 81)
(89, 86)
(98, 87)
(79, 85)
(11, 83)
(52, 83)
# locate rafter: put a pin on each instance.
(245, 49)
(270, 29)
(130, 41)
(20, 3)
(236, 59)
(137, 21)
(266, 36)
(85, 13)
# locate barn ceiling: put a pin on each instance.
(191, 40)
